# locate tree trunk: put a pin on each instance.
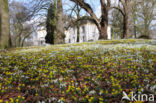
(146, 27)
(125, 27)
(78, 23)
(0, 22)
(134, 25)
(4, 24)
(10, 41)
(126, 33)
(103, 32)
(134, 11)
(135, 31)
(101, 24)
(104, 22)
(126, 13)
(59, 26)
(78, 33)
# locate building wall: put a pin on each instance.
(41, 36)
(88, 32)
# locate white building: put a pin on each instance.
(41, 33)
(88, 32)
(37, 37)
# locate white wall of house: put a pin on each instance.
(109, 33)
(35, 39)
(88, 32)
(41, 36)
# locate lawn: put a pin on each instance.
(91, 72)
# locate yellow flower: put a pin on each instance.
(19, 88)
(6, 88)
(11, 99)
(23, 97)
(74, 98)
(6, 102)
(87, 96)
(101, 91)
(91, 98)
(17, 100)
(106, 91)
(36, 94)
(78, 89)
(1, 101)
(2, 91)
(101, 99)
(62, 99)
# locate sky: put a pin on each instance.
(67, 4)
(95, 4)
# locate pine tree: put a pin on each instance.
(54, 24)
(51, 25)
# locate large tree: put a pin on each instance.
(77, 11)
(146, 16)
(117, 24)
(60, 35)
(4, 24)
(77, 20)
(125, 11)
(55, 24)
(21, 27)
(135, 10)
(100, 23)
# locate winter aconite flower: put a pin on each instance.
(94, 72)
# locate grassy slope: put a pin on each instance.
(87, 72)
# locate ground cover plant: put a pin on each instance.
(93, 72)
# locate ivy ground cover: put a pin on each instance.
(94, 72)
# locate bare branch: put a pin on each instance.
(83, 18)
(119, 9)
(87, 7)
